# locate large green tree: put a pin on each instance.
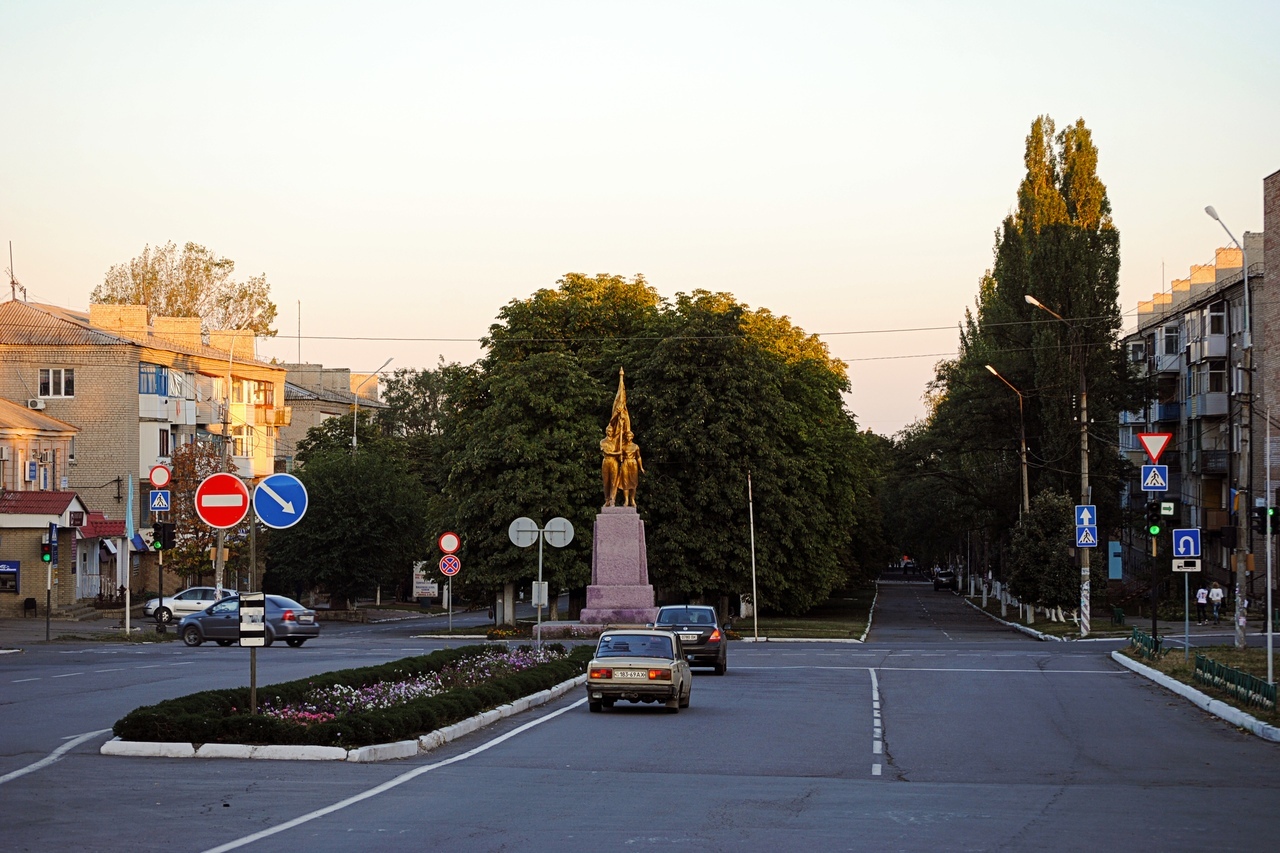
(365, 526)
(190, 282)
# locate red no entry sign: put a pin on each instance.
(222, 500)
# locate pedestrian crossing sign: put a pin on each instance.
(159, 500)
(1087, 536)
(1155, 478)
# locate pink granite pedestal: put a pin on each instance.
(620, 592)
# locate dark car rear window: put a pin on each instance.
(634, 645)
(686, 616)
(284, 603)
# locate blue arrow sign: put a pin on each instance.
(1155, 478)
(159, 500)
(280, 501)
(1086, 536)
(1186, 542)
(1086, 515)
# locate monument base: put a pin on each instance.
(620, 592)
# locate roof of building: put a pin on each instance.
(37, 324)
(295, 392)
(100, 526)
(35, 503)
(15, 415)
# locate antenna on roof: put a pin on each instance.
(14, 287)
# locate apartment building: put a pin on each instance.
(316, 393)
(127, 392)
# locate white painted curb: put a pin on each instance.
(1218, 708)
(362, 755)
(1031, 632)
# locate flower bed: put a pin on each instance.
(470, 680)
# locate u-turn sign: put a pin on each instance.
(1186, 542)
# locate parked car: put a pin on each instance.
(639, 665)
(286, 620)
(700, 633)
(191, 600)
(946, 579)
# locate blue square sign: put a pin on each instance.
(1155, 478)
(1186, 542)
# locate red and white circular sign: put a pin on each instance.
(450, 565)
(222, 500)
(160, 476)
(449, 542)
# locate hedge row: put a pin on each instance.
(222, 716)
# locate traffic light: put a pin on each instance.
(1261, 519)
(162, 538)
(46, 552)
(1154, 519)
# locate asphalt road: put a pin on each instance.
(945, 731)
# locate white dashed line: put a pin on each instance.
(66, 675)
(877, 743)
(21, 680)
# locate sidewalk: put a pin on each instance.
(1172, 631)
(21, 632)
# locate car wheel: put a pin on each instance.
(295, 642)
(269, 639)
(164, 614)
(225, 642)
(673, 705)
(191, 636)
(594, 705)
(684, 703)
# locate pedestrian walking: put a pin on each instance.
(1215, 598)
(1202, 601)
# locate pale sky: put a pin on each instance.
(402, 170)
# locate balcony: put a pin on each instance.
(1213, 461)
(1166, 363)
(1211, 405)
(1166, 412)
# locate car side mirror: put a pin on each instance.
(648, 624)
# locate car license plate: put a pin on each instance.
(307, 618)
(689, 638)
(630, 673)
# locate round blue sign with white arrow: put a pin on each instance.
(280, 501)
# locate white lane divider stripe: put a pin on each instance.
(71, 744)
(877, 744)
(392, 783)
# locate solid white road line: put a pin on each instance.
(387, 786)
(71, 744)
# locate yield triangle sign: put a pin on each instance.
(1154, 443)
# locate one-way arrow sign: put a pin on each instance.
(1086, 515)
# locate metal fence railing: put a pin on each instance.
(1249, 689)
(1146, 645)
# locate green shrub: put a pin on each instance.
(222, 716)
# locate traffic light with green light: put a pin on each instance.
(1261, 519)
(46, 552)
(1154, 519)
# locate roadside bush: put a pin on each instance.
(222, 716)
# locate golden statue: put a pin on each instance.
(621, 467)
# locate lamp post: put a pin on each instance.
(1084, 464)
(1246, 450)
(1022, 428)
(355, 413)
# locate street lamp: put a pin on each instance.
(1246, 451)
(1084, 463)
(1022, 427)
(355, 414)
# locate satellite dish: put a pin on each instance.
(559, 532)
(523, 532)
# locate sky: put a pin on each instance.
(400, 171)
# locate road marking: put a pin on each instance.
(72, 743)
(1030, 671)
(117, 669)
(66, 675)
(877, 734)
(875, 769)
(20, 680)
(388, 785)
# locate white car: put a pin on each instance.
(191, 600)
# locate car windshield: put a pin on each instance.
(686, 616)
(634, 646)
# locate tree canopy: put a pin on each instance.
(190, 282)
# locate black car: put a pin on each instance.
(700, 633)
(946, 579)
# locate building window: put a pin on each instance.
(1217, 375)
(237, 390)
(1137, 351)
(1218, 318)
(57, 382)
(1170, 340)
(164, 442)
(153, 379)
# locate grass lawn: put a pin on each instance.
(843, 616)
(1100, 625)
(1250, 660)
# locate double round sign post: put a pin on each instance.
(160, 476)
(449, 543)
(523, 533)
